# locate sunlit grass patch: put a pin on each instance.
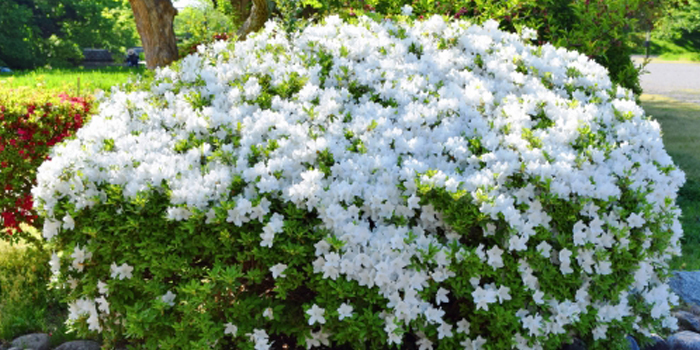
(683, 49)
(75, 81)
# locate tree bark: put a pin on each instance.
(241, 7)
(154, 21)
(258, 15)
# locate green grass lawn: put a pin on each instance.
(88, 80)
(671, 51)
(685, 48)
(680, 124)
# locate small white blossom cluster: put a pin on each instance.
(260, 338)
(90, 307)
(97, 308)
(451, 106)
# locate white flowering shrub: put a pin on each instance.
(429, 184)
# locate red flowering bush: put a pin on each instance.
(30, 124)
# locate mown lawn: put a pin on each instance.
(684, 48)
(680, 124)
(74, 81)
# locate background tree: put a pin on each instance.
(679, 30)
(38, 32)
(155, 18)
(114, 29)
(199, 23)
(682, 18)
(256, 19)
(238, 10)
(154, 21)
(16, 36)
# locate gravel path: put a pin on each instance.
(677, 80)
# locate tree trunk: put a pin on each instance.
(154, 21)
(258, 15)
(241, 7)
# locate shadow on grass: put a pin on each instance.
(689, 201)
(683, 48)
(680, 125)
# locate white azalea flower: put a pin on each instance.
(121, 272)
(230, 329)
(169, 298)
(344, 311)
(316, 315)
(268, 313)
(278, 270)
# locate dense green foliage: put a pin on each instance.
(16, 36)
(26, 305)
(35, 33)
(201, 21)
(202, 24)
(217, 271)
(682, 19)
(674, 36)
